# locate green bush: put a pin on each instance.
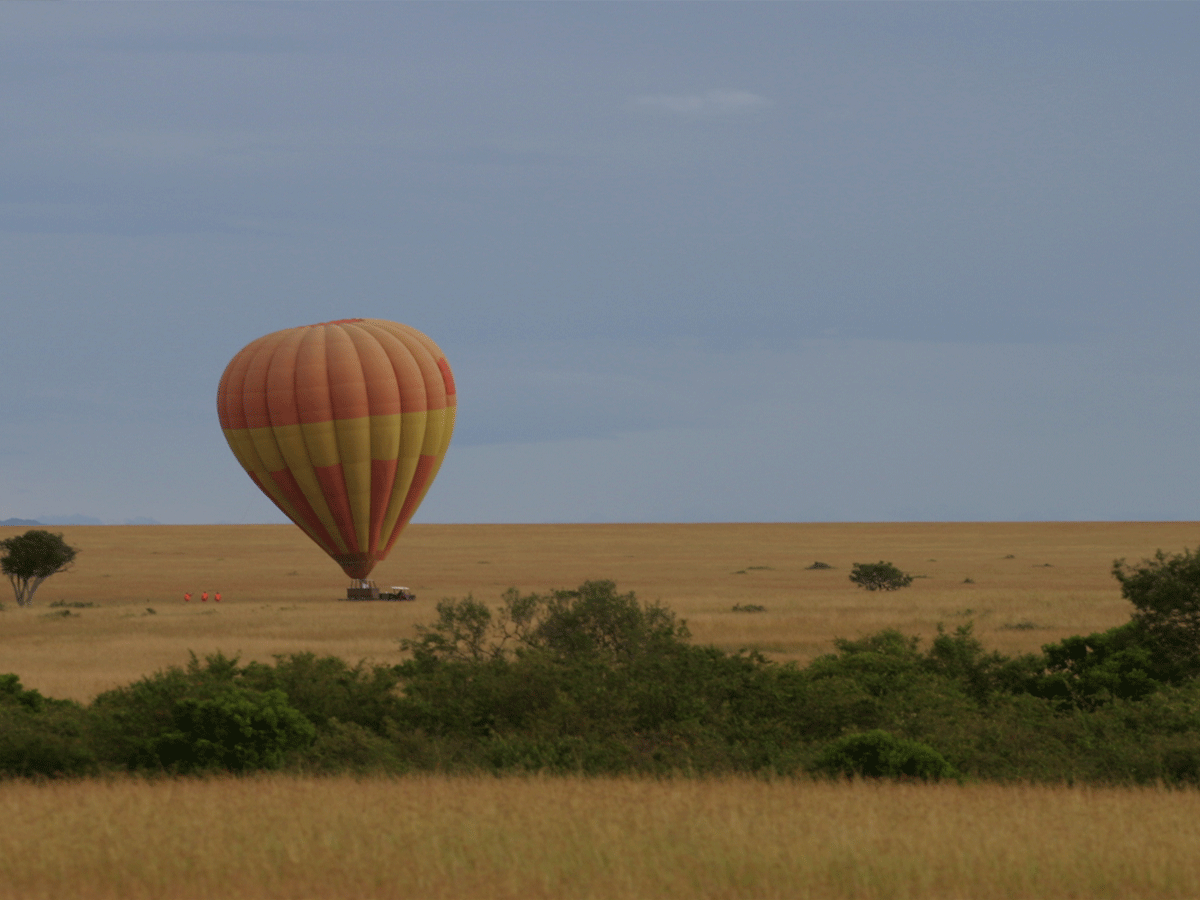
(880, 576)
(324, 688)
(13, 693)
(199, 719)
(40, 737)
(593, 681)
(878, 754)
(342, 747)
(1165, 593)
(591, 621)
(236, 731)
(1089, 671)
(594, 620)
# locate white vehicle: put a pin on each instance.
(361, 589)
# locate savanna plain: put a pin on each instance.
(119, 615)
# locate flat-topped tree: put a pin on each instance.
(31, 558)
(880, 576)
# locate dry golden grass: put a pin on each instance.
(1033, 583)
(276, 837)
(431, 837)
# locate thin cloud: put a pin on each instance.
(712, 103)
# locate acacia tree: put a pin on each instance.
(31, 558)
(880, 576)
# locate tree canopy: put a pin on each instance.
(880, 576)
(31, 558)
(1165, 592)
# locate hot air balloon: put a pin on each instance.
(344, 426)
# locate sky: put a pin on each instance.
(689, 262)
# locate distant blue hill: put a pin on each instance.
(69, 520)
(23, 523)
(142, 520)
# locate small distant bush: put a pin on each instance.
(749, 607)
(1023, 625)
(880, 576)
(879, 754)
(819, 565)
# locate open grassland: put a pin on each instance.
(431, 837)
(436, 836)
(1031, 583)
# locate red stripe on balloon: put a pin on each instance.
(383, 477)
(447, 376)
(413, 499)
(286, 483)
(279, 381)
(333, 488)
(255, 388)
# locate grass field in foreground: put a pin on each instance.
(432, 837)
(1030, 583)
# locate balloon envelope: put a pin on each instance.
(344, 426)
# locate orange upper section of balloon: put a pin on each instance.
(343, 425)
